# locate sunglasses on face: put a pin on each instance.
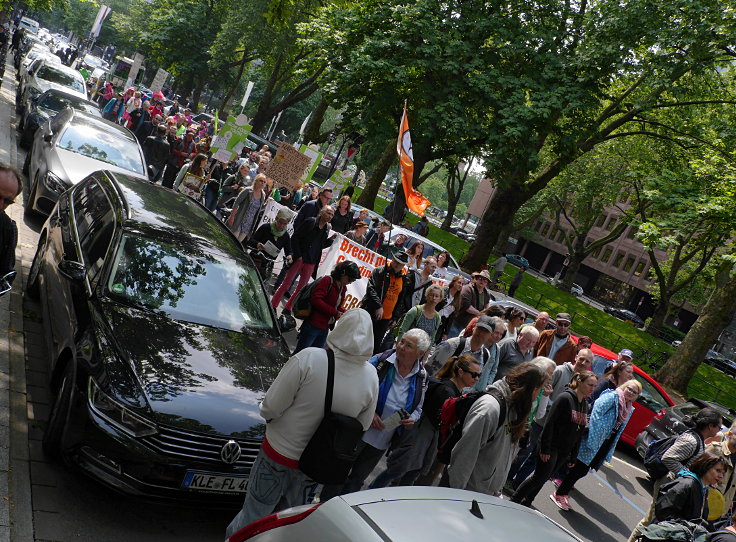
(563, 324)
(473, 374)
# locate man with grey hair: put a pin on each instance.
(401, 386)
(481, 345)
(515, 350)
(10, 187)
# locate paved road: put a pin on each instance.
(67, 506)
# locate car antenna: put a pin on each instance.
(475, 510)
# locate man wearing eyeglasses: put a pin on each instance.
(556, 343)
(10, 187)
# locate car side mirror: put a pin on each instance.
(6, 282)
(47, 137)
(72, 270)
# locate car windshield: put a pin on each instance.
(49, 73)
(189, 284)
(56, 102)
(90, 139)
(650, 396)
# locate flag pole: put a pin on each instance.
(393, 202)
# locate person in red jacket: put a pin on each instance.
(326, 299)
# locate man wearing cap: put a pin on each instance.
(359, 234)
(601, 364)
(386, 297)
(474, 297)
(556, 343)
(481, 345)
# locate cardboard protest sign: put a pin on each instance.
(191, 185)
(288, 166)
(159, 79)
(231, 139)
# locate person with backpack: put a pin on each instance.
(424, 316)
(415, 452)
(491, 429)
(608, 419)
(401, 387)
(560, 440)
(294, 408)
(481, 345)
(326, 299)
(676, 454)
(686, 497)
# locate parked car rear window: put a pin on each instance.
(55, 102)
(89, 140)
(189, 284)
(48, 73)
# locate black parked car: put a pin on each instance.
(669, 421)
(46, 106)
(625, 315)
(162, 341)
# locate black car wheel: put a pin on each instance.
(26, 138)
(32, 288)
(53, 436)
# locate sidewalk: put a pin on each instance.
(16, 515)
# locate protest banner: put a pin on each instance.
(342, 249)
(315, 158)
(288, 166)
(231, 139)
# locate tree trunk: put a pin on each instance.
(660, 313)
(311, 132)
(451, 206)
(713, 319)
(503, 237)
(501, 210)
(367, 198)
(196, 94)
(227, 100)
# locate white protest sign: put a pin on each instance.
(159, 79)
(315, 158)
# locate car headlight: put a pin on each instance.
(117, 414)
(55, 184)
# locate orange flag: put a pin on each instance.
(415, 201)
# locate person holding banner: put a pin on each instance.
(359, 234)
(306, 245)
(248, 205)
(326, 300)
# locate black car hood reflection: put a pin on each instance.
(197, 377)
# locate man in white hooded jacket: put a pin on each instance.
(293, 409)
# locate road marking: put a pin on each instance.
(617, 492)
(637, 469)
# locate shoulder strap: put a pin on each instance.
(330, 381)
(460, 346)
(502, 406)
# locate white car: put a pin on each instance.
(576, 290)
(406, 514)
(46, 75)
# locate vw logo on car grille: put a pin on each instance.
(230, 452)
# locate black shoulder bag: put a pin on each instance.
(333, 448)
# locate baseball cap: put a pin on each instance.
(565, 317)
(626, 352)
(485, 322)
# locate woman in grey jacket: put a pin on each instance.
(247, 207)
(481, 458)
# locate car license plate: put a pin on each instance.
(207, 481)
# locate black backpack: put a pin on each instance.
(302, 306)
(653, 455)
(333, 448)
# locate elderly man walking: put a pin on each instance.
(293, 409)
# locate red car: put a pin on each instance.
(652, 401)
